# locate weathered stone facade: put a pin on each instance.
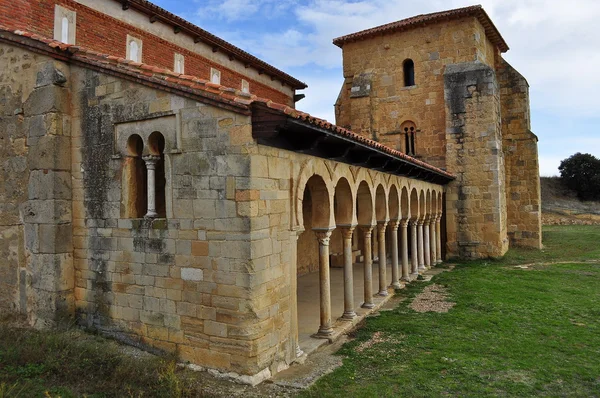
(476, 127)
(177, 214)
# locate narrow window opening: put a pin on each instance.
(215, 76)
(134, 51)
(179, 64)
(245, 86)
(156, 146)
(409, 129)
(64, 30)
(409, 73)
(136, 179)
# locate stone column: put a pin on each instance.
(367, 233)
(438, 238)
(348, 274)
(432, 244)
(151, 161)
(414, 256)
(395, 269)
(426, 241)
(404, 237)
(382, 260)
(420, 254)
(294, 295)
(324, 282)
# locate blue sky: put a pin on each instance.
(554, 44)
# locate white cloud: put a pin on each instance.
(236, 10)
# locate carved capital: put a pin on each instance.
(381, 227)
(404, 222)
(323, 237)
(367, 231)
(347, 232)
(151, 161)
(394, 225)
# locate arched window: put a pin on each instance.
(156, 147)
(409, 130)
(409, 72)
(135, 187)
(134, 51)
(64, 30)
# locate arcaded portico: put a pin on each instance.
(354, 210)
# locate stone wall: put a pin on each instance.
(476, 200)
(17, 81)
(36, 226)
(382, 104)
(523, 194)
(179, 284)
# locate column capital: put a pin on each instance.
(381, 226)
(347, 231)
(323, 236)
(151, 160)
(367, 230)
(394, 225)
(404, 222)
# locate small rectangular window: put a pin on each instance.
(178, 67)
(64, 24)
(134, 49)
(245, 86)
(215, 76)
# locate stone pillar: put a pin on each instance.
(404, 237)
(438, 238)
(476, 210)
(395, 271)
(426, 242)
(297, 352)
(151, 161)
(414, 256)
(47, 284)
(368, 265)
(324, 282)
(348, 274)
(420, 254)
(382, 259)
(432, 242)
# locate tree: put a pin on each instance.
(581, 173)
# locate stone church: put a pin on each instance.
(160, 186)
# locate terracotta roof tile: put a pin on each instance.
(216, 92)
(476, 11)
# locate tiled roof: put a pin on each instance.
(201, 89)
(476, 11)
(159, 13)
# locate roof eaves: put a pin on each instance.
(424, 19)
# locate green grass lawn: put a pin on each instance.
(513, 332)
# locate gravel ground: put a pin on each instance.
(432, 299)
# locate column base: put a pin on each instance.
(383, 293)
(349, 315)
(151, 215)
(367, 305)
(396, 285)
(405, 279)
(299, 352)
(324, 332)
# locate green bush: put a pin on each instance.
(581, 173)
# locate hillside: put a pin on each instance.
(560, 205)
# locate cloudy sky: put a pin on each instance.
(554, 44)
